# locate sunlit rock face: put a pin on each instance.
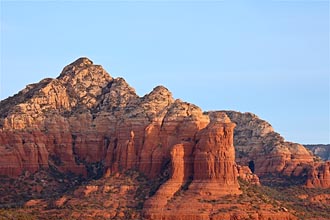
(267, 153)
(87, 122)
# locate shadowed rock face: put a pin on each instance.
(321, 150)
(86, 122)
(170, 187)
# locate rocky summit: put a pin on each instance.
(86, 146)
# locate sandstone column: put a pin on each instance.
(215, 171)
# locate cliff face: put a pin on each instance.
(87, 122)
(36, 123)
(215, 170)
(319, 175)
(258, 146)
(266, 152)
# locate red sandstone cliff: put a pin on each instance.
(86, 122)
(215, 171)
(87, 117)
(319, 175)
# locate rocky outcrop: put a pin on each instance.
(215, 176)
(87, 123)
(214, 168)
(319, 175)
(46, 120)
(215, 171)
(245, 173)
(29, 153)
(265, 152)
(85, 120)
(169, 188)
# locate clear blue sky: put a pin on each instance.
(267, 57)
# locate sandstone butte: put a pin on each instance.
(88, 123)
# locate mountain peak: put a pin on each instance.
(160, 93)
(82, 61)
(76, 66)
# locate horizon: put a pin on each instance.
(269, 58)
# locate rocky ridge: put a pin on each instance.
(87, 123)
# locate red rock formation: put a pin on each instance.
(255, 140)
(87, 122)
(246, 174)
(319, 176)
(86, 117)
(215, 171)
(29, 153)
(168, 189)
(259, 146)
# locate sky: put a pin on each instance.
(269, 57)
